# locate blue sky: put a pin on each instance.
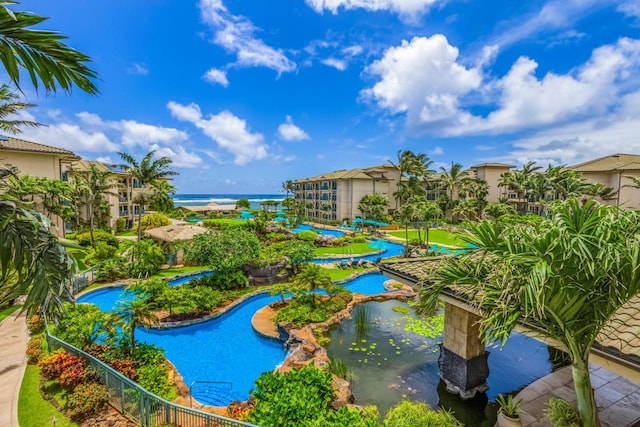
(243, 95)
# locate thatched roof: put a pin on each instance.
(172, 233)
(211, 207)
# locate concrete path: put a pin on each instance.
(618, 398)
(13, 362)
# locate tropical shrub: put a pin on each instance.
(34, 350)
(154, 379)
(102, 252)
(35, 324)
(82, 325)
(418, 414)
(225, 251)
(292, 398)
(307, 236)
(147, 257)
(561, 413)
(120, 225)
(226, 224)
(111, 270)
(61, 364)
(344, 417)
(84, 239)
(359, 239)
(86, 399)
(154, 220)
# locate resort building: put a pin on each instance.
(335, 195)
(613, 171)
(491, 173)
(121, 195)
(38, 160)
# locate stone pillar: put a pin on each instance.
(463, 358)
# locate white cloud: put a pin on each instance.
(135, 133)
(236, 35)
(290, 132)
(231, 133)
(352, 51)
(90, 119)
(139, 69)
(630, 8)
(71, 137)
(179, 156)
(423, 80)
(405, 8)
(338, 64)
(437, 151)
(216, 76)
(107, 160)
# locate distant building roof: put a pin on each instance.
(174, 232)
(492, 165)
(211, 207)
(15, 144)
(614, 162)
(84, 165)
(357, 173)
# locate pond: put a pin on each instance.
(390, 362)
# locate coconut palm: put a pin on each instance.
(94, 184)
(161, 199)
(566, 276)
(33, 262)
(450, 181)
(133, 313)
(311, 278)
(147, 171)
(497, 210)
(41, 53)
(373, 205)
(10, 107)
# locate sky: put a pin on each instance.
(245, 94)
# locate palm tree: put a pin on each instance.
(311, 278)
(147, 171)
(497, 210)
(33, 261)
(451, 179)
(136, 312)
(41, 53)
(373, 205)
(326, 207)
(9, 107)
(161, 199)
(600, 192)
(95, 183)
(566, 277)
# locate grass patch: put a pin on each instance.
(436, 235)
(349, 250)
(130, 232)
(33, 409)
(341, 274)
(170, 272)
(6, 312)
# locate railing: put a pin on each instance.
(145, 407)
(82, 280)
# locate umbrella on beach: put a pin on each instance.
(370, 222)
(358, 221)
(279, 218)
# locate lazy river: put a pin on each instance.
(221, 358)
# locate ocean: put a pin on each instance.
(224, 199)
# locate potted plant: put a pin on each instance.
(561, 413)
(509, 412)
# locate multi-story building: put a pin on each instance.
(613, 171)
(491, 173)
(336, 195)
(37, 160)
(120, 196)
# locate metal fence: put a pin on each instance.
(143, 406)
(82, 280)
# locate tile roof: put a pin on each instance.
(83, 166)
(492, 165)
(620, 337)
(614, 162)
(358, 173)
(16, 144)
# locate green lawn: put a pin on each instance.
(6, 312)
(435, 236)
(33, 410)
(352, 249)
(340, 274)
(170, 272)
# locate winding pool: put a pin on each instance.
(221, 358)
(322, 231)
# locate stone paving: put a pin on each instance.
(618, 398)
(13, 362)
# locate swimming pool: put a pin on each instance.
(322, 231)
(389, 249)
(221, 358)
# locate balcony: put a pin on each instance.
(123, 199)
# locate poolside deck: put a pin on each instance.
(618, 398)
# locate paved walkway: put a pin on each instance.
(13, 362)
(618, 398)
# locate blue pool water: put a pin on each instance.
(323, 231)
(220, 358)
(106, 298)
(389, 249)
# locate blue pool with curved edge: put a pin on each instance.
(321, 231)
(221, 358)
